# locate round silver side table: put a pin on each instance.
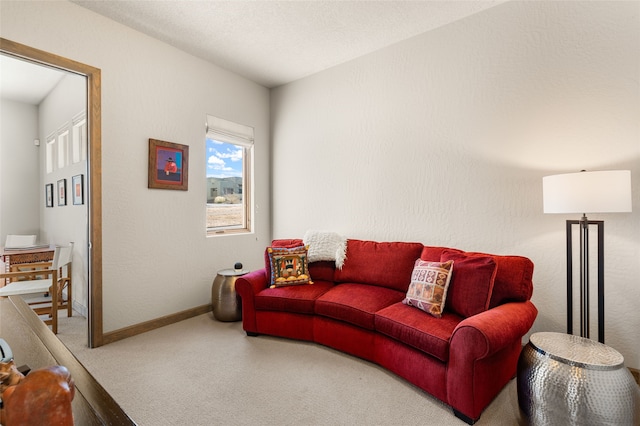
(569, 380)
(225, 301)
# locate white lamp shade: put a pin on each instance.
(588, 192)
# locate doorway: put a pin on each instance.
(94, 178)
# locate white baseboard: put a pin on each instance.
(82, 310)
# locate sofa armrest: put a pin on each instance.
(247, 286)
(483, 355)
(494, 329)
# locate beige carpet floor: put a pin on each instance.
(204, 372)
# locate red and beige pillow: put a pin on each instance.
(429, 285)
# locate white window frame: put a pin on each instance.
(242, 136)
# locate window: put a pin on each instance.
(51, 142)
(79, 139)
(229, 151)
(63, 148)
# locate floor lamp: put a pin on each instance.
(586, 192)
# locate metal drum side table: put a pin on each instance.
(569, 380)
(225, 301)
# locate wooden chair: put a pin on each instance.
(30, 267)
(58, 279)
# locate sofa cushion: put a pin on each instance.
(297, 299)
(380, 264)
(289, 266)
(356, 303)
(429, 284)
(415, 328)
(471, 284)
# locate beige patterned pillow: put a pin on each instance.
(429, 284)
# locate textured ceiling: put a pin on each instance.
(276, 42)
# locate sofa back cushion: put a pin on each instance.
(385, 264)
(322, 270)
(514, 276)
(432, 253)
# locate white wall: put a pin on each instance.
(156, 257)
(444, 139)
(64, 224)
(19, 173)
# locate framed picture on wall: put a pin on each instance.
(168, 165)
(77, 187)
(62, 192)
(48, 194)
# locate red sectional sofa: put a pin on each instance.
(464, 358)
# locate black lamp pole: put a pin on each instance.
(584, 224)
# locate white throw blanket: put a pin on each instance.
(325, 245)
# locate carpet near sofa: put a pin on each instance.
(464, 357)
(204, 372)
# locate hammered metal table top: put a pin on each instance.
(578, 351)
(232, 272)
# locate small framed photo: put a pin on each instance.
(62, 192)
(77, 188)
(48, 194)
(168, 165)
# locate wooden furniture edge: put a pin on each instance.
(143, 327)
(104, 406)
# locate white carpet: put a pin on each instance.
(204, 372)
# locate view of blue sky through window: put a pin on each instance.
(223, 159)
